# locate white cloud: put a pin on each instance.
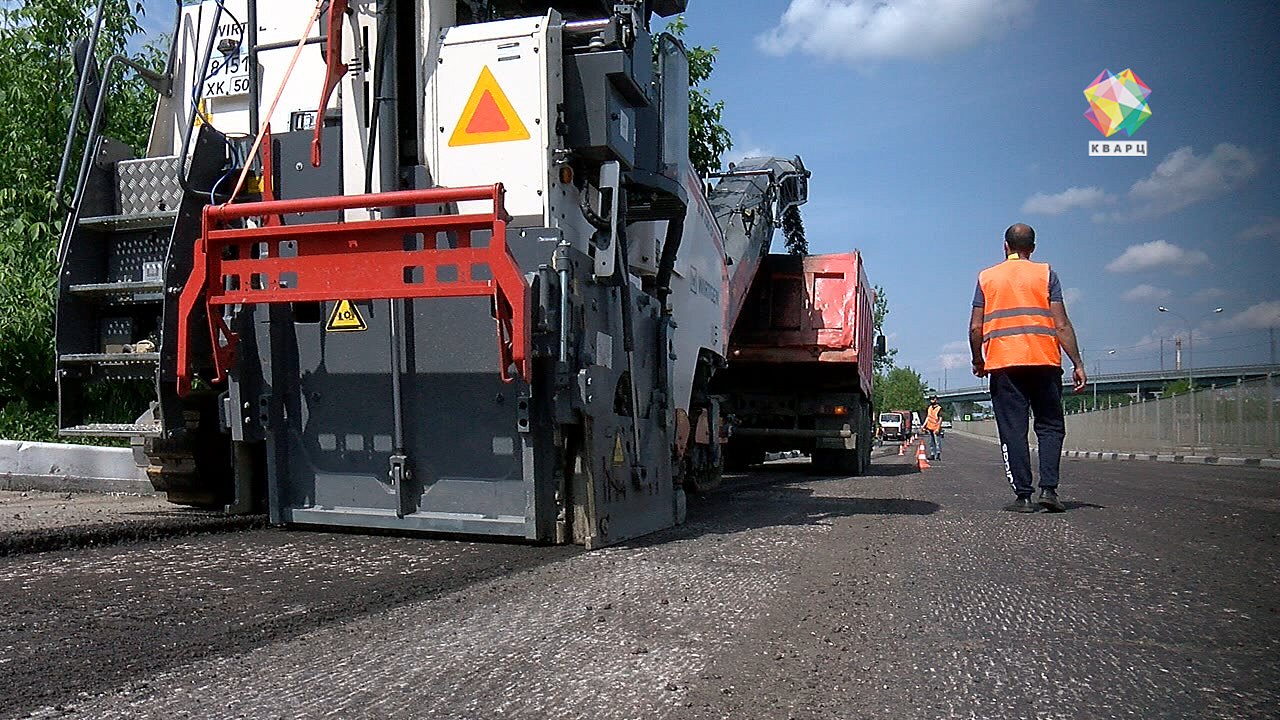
(1268, 228)
(955, 345)
(1071, 295)
(883, 29)
(1257, 316)
(953, 360)
(1184, 178)
(1073, 197)
(1145, 292)
(1156, 253)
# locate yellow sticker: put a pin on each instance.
(618, 457)
(488, 116)
(344, 318)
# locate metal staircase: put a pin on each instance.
(111, 290)
(124, 255)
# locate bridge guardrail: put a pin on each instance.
(1237, 420)
(1143, 379)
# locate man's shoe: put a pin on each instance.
(1049, 499)
(1022, 505)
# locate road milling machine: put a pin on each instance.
(436, 266)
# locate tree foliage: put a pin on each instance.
(37, 88)
(879, 311)
(887, 383)
(708, 137)
(899, 389)
(793, 231)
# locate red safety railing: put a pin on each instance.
(388, 258)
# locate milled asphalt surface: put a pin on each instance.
(901, 594)
(37, 520)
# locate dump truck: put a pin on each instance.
(800, 363)
(433, 266)
(895, 425)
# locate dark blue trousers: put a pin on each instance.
(1016, 391)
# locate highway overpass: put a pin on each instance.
(1135, 382)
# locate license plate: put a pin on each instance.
(228, 76)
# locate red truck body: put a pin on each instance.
(800, 363)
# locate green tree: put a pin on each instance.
(899, 389)
(793, 231)
(879, 310)
(37, 88)
(708, 137)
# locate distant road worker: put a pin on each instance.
(1017, 332)
(933, 429)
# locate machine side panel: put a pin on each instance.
(699, 288)
(490, 110)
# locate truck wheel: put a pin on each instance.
(865, 438)
(835, 462)
(739, 456)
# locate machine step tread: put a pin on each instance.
(111, 430)
(110, 358)
(137, 221)
(117, 288)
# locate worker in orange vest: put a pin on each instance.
(933, 429)
(1017, 332)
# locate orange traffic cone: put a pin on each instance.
(902, 449)
(921, 462)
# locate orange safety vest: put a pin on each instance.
(934, 421)
(1017, 327)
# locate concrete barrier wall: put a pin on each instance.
(54, 466)
(1240, 420)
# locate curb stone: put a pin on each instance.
(1270, 463)
(59, 467)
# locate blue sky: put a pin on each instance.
(931, 125)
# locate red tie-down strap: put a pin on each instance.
(387, 258)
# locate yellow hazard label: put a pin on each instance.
(488, 116)
(618, 457)
(345, 317)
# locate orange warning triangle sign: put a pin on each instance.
(345, 318)
(488, 116)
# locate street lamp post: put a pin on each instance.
(1191, 383)
(1272, 337)
(1097, 370)
(1190, 341)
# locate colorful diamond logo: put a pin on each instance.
(1117, 102)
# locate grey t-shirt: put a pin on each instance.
(1055, 291)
